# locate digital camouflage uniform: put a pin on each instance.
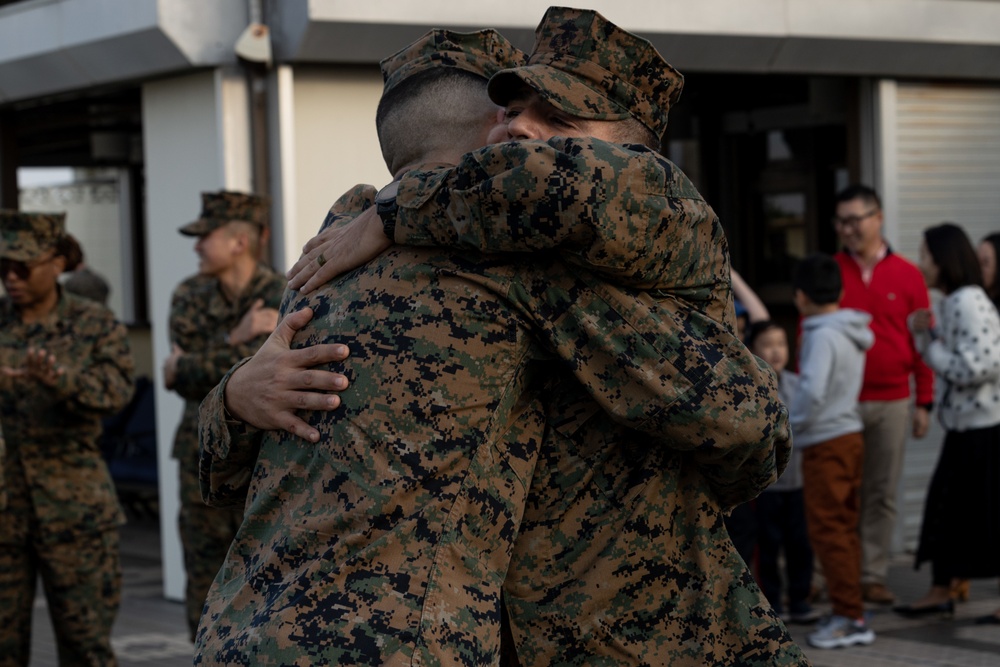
(62, 515)
(603, 334)
(622, 551)
(622, 555)
(390, 536)
(201, 318)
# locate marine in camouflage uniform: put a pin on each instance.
(62, 515)
(622, 554)
(201, 319)
(540, 299)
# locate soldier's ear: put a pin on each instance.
(241, 239)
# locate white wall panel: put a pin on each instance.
(335, 145)
(195, 139)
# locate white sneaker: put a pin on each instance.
(839, 631)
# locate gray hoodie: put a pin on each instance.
(831, 368)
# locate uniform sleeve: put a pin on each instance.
(629, 215)
(975, 327)
(665, 362)
(98, 380)
(228, 451)
(669, 370)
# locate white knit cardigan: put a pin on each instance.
(963, 349)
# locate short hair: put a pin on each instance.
(818, 276)
(952, 252)
(70, 250)
(632, 131)
(756, 329)
(440, 108)
(858, 191)
(252, 231)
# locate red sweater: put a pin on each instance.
(897, 289)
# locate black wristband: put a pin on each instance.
(385, 206)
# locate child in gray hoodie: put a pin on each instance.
(826, 426)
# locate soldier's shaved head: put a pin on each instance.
(438, 111)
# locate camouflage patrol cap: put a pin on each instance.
(26, 236)
(224, 206)
(588, 67)
(484, 52)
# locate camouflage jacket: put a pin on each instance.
(622, 553)
(623, 558)
(200, 319)
(651, 282)
(53, 470)
(223, 474)
(386, 543)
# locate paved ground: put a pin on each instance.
(150, 631)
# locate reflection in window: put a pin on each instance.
(785, 229)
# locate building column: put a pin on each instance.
(196, 137)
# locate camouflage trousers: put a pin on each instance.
(206, 533)
(82, 578)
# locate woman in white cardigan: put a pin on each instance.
(960, 534)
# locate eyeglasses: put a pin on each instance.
(20, 269)
(853, 220)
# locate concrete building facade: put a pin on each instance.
(786, 101)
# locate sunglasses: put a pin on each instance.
(20, 269)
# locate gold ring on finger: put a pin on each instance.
(320, 259)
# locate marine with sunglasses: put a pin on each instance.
(64, 364)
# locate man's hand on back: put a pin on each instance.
(337, 250)
(267, 390)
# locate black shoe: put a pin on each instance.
(943, 609)
(988, 619)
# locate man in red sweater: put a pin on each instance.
(889, 287)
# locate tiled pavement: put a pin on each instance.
(150, 631)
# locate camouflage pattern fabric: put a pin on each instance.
(223, 207)
(27, 236)
(558, 295)
(200, 316)
(484, 52)
(386, 543)
(590, 68)
(622, 552)
(623, 559)
(671, 368)
(62, 513)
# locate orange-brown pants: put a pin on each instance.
(831, 486)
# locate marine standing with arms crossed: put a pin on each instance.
(217, 317)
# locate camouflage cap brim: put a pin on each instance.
(562, 90)
(201, 227)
